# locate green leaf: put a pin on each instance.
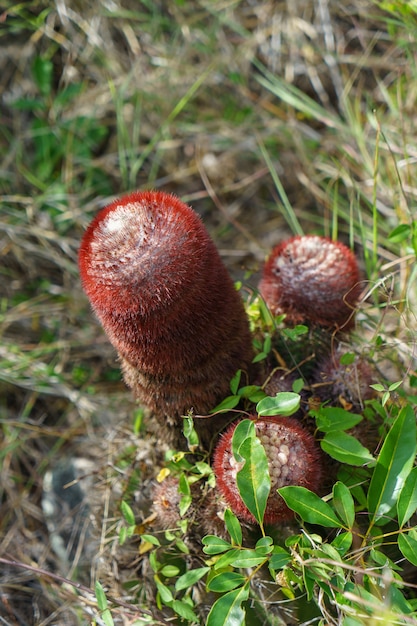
(394, 464)
(42, 70)
(151, 539)
(184, 488)
(267, 344)
(235, 382)
(190, 578)
(279, 558)
(346, 449)
(106, 618)
(227, 610)
(343, 542)
(127, 513)
(253, 480)
(407, 543)
(225, 559)
(343, 504)
(163, 590)
(233, 527)
(298, 385)
(123, 535)
(377, 387)
(399, 603)
(183, 610)
(347, 359)
(169, 571)
(29, 104)
(264, 546)
(294, 333)
(400, 233)
(394, 386)
(407, 502)
(215, 545)
(100, 596)
(248, 558)
(189, 432)
(309, 506)
(257, 396)
(284, 403)
(244, 429)
(333, 419)
(228, 403)
(248, 391)
(226, 581)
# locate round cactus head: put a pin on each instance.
(312, 279)
(293, 459)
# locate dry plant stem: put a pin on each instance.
(168, 305)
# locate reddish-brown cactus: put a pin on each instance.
(293, 457)
(162, 294)
(312, 279)
(205, 514)
(345, 384)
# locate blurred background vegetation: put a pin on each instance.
(269, 118)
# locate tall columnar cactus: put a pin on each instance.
(168, 305)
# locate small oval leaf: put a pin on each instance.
(227, 610)
(226, 581)
(343, 504)
(228, 403)
(407, 543)
(407, 502)
(248, 558)
(284, 403)
(346, 449)
(190, 578)
(279, 558)
(310, 507)
(244, 429)
(332, 419)
(253, 480)
(233, 527)
(100, 596)
(127, 512)
(215, 545)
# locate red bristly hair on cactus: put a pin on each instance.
(312, 279)
(346, 384)
(293, 458)
(166, 301)
(205, 514)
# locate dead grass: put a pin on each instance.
(265, 116)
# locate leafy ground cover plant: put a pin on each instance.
(346, 560)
